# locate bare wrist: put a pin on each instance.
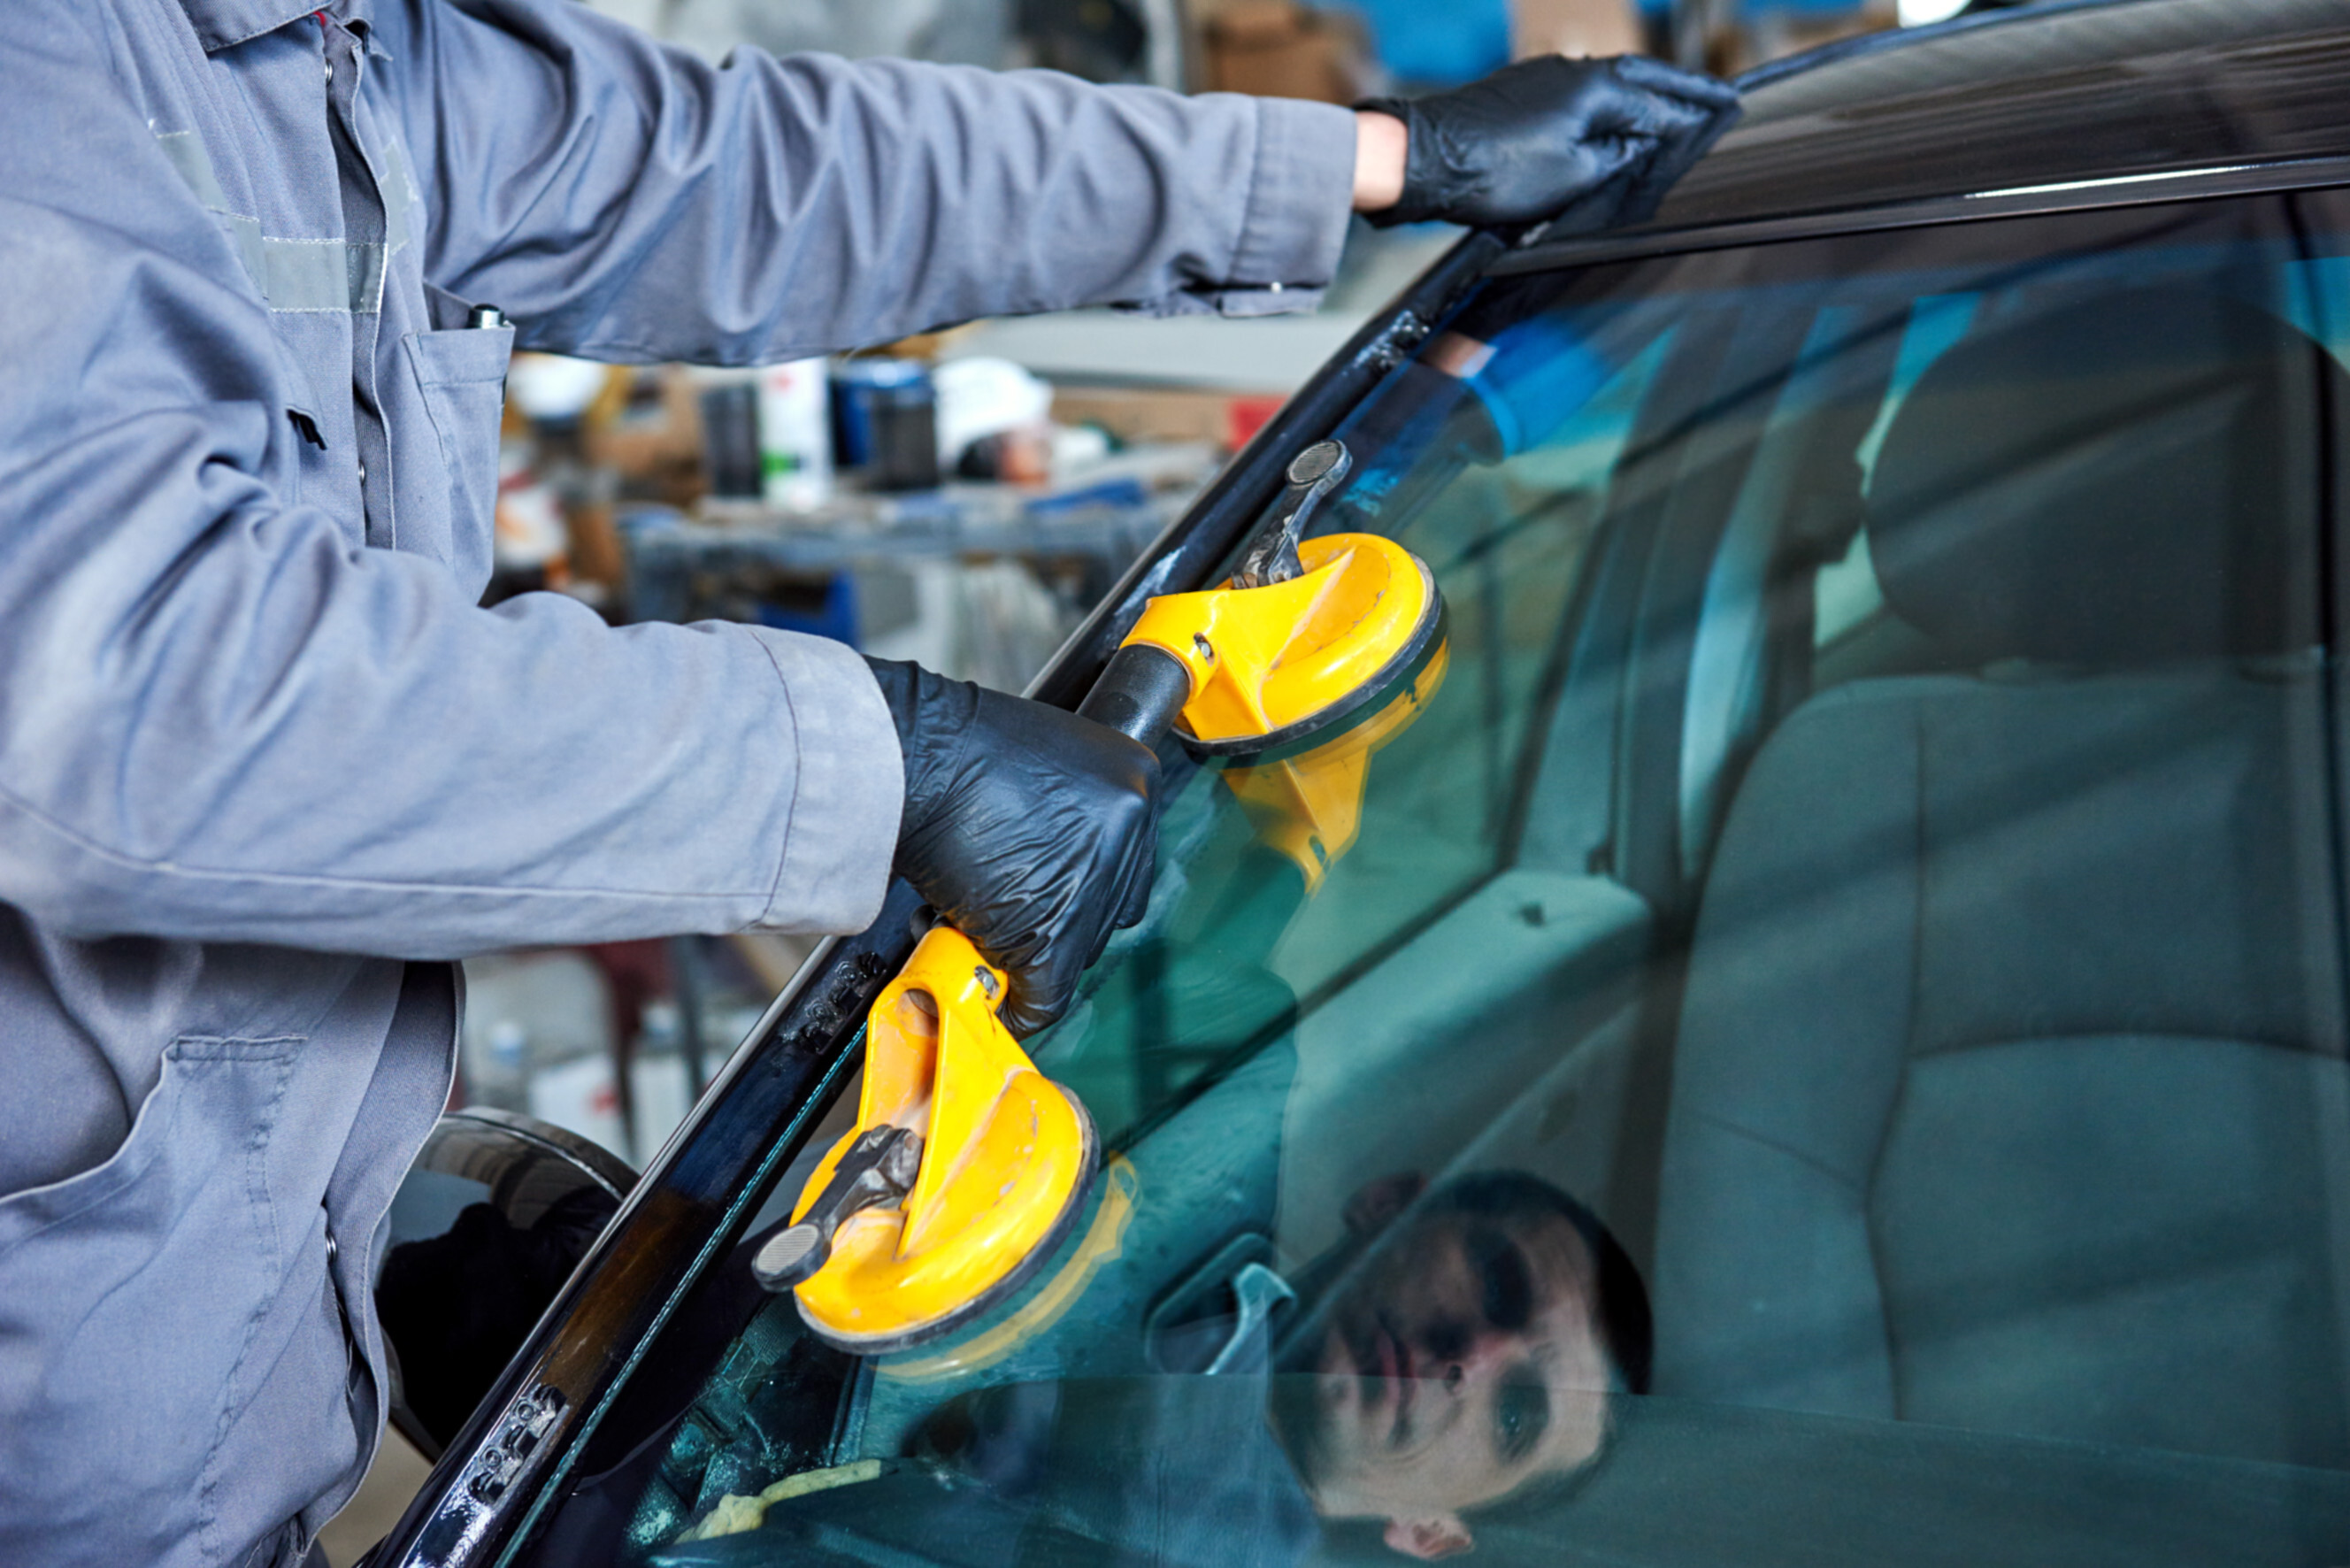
(1380, 144)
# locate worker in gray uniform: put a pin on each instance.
(265, 766)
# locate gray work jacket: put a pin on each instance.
(261, 756)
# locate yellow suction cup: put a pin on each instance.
(1272, 665)
(1304, 634)
(1313, 655)
(963, 1171)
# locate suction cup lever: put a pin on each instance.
(877, 1171)
(1314, 473)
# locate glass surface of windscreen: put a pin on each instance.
(1825, 1036)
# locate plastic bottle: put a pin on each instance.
(796, 434)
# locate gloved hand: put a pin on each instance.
(1028, 829)
(1590, 142)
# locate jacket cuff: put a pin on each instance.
(1294, 223)
(848, 787)
(1300, 195)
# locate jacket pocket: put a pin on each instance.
(460, 383)
(129, 1296)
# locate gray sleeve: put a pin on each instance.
(222, 718)
(621, 199)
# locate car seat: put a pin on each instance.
(2008, 1092)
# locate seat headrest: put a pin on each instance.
(2118, 480)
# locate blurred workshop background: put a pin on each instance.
(960, 499)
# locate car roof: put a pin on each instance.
(2023, 100)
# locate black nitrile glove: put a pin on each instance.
(1028, 829)
(1591, 142)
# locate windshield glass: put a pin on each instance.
(1819, 1033)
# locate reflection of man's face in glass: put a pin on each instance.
(1458, 1359)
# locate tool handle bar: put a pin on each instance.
(1141, 691)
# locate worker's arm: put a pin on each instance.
(222, 718)
(622, 199)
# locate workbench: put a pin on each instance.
(728, 559)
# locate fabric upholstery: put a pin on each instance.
(2009, 1091)
(2001, 1092)
(2110, 480)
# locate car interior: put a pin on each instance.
(1940, 1046)
(1877, 845)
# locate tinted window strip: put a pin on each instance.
(2124, 191)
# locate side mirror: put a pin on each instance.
(489, 1222)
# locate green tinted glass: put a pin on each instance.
(1828, 1031)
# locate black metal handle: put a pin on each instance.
(1139, 693)
(1313, 474)
(879, 1169)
